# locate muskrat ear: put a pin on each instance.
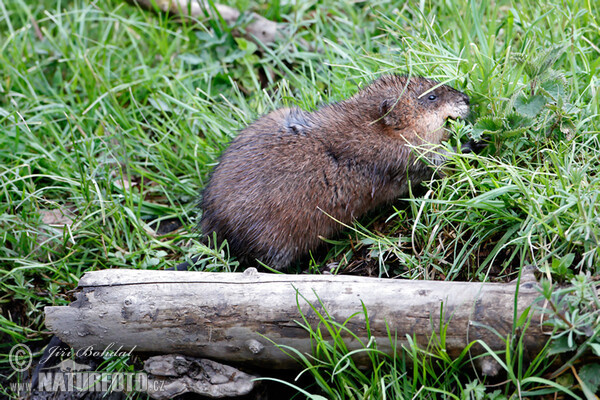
(384, 107)
(388, 112)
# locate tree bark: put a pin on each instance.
(236, 317)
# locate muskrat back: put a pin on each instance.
(286, 178)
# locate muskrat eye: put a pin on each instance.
(432, 97)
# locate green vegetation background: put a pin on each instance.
(112, 117)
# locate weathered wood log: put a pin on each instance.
(262, 29)
(233, 317)
(178, 375)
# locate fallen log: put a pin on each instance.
(236, 317)
(259, 28)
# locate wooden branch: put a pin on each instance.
(178, 375)
(266, 31)
(233, 317)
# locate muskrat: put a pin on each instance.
(293, 175)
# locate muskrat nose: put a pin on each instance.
(466, 99)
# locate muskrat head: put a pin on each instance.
(420, 107)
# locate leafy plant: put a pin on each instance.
(112, 118)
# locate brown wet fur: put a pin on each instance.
(286, 177)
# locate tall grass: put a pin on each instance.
(112, 117)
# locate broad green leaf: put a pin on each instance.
(590, 375)
(596, 348)
(486, 125)
(246, 45)
(514, 121)
(559, 345)
(567, 127)
(554, 88)
(548, 58)
(530, 107)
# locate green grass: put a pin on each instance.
(111, 119)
